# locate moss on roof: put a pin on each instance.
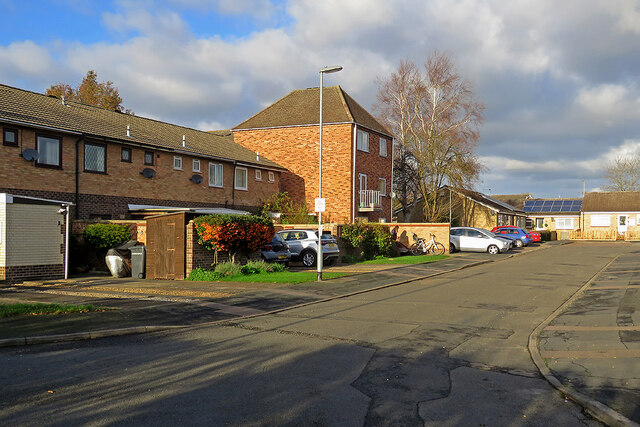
(31, 108)
(302, 107)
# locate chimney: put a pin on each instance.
(184, 141)
(257, 156)
(63, 103)
(128, 131)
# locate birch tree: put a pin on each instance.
(436, 119)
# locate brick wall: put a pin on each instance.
(108, 194)
(375, 166)
(296, 148)
(30, 272)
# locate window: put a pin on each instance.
(272, 178)
(382, 183)
(215, 174)
(529, 223)
(49, 151)
(240, 182)
(539, 223)
(600, 220)
(125, 155)
(196, 165)
(362, 140)
(10, 136)
(363, 181)
(383, 147)
(258, 175)
(564, 223)
(177, 162)
(95, 157)
(148, 158)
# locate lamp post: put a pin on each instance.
(323, 71)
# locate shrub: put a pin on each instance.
(234, 233)
(202, 275)
(105, 236)
(371, 239)
(228, 268)
(292, 212)
(349, 259)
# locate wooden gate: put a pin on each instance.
(166, 246)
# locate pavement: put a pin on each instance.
(589, 348)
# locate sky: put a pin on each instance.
(560, 79)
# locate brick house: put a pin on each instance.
(611, 215)
(102, 161)
(357, 152)
(468, 209)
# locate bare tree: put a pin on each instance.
(623, 174)
(435, 119)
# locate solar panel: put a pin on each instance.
(557, 206)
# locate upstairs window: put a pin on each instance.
(382, 184)
(95, 157)
(49, 151)
(196, 165)
(215, 174)
(177, 162)
(125, 155)
(272, 178)
(148, 158)
(10, 136)
(240, 181)
(383, 147)
(362, 141)
(258, 175)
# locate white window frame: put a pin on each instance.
(362, 140)
(564, 223)
(216, 174)
(380, 186)
(246, 178)
(600, 220)
(195, 165)
(272, 177)
(177, 163)
(383, 143)
(360, 180)
(540, 221)
(258, 175)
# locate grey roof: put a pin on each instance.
(302, 107)
(31, 108)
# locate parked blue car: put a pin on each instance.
(520, 237)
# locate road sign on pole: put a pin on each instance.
(320, 204)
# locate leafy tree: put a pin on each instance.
(435, 118)
(292, 212)
(234, 233)
(623, 174)
(90, 91)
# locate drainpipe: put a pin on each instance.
(77, 189)
(64, 210)
(353, 176)
(233, 184)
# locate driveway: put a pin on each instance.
(450, 350)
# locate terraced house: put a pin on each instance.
(109, 163)
(357, 152)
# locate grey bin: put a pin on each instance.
(138, 259)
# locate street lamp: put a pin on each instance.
(323, 71)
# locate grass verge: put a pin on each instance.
(34, 309)
(407, 259)
(282, 277)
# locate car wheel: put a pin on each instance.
(309, 259)
(519, 243)
(493, 249)
(452, 248)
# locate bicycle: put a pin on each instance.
(420, 246)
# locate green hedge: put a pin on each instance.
(106, 236)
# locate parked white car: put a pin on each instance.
(477, 240)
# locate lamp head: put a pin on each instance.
(331, 69)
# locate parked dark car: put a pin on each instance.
(276, 251)
(520, 236)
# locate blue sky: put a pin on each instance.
(559, 79)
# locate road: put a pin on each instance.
(451, 350)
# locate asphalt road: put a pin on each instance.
(451, 350)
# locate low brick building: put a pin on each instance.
(611, 215)
(102, 161)
(357, 152)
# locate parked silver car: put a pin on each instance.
(477, 240)
(303, 245)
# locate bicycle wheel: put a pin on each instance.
(438, 248)
(416, 249)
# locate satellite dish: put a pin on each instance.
(30, 154)
(148, 173)
(197, 179)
